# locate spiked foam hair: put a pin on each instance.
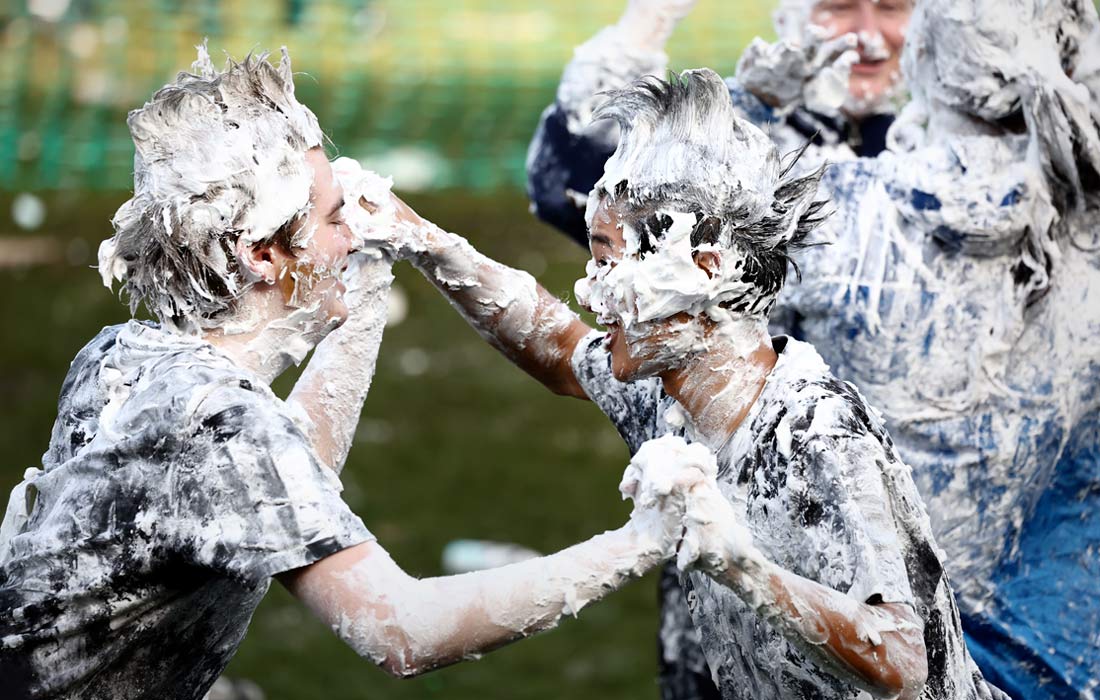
(683, 148)
(220, 157)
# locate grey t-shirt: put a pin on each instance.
(817, 480)
(175, 486)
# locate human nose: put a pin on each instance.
(349, 242)
(867, 20)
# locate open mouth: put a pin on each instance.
(868, 66)
(613, 331)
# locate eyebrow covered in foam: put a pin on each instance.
(336, 208)
(599, 238)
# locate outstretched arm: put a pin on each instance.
(410, 626)
(507, 307)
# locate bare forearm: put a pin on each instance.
(413, 626)
(335, 383)
(527, 324)
(878, 648)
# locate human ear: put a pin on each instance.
(708, 261)
(262, 261)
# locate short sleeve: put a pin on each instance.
(853, 516)
(248, 497)
(631, 406)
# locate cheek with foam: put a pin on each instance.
(608, 292)
(667, 281)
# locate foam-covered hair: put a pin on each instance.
(220, 157)
(683, 148)
(1021, 61)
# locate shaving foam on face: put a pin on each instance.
(666, 281)
(220, 161)
(637, 290)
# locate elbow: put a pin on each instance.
(401, 668)
(905, 687)
(399, 660)
(563, 387)
(391, 648)
(913, 680)
(905, 678)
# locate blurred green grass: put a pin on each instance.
(449, 89)
(469, 448)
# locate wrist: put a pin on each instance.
(432, 246)
(648, 539)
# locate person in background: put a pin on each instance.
(959, 292)
(959, 289)
(832, 79)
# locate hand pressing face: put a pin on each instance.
(307, 265)
(380, 221)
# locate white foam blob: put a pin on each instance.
(28, 211)
(463, 556)
(414, 167)
(49, 10)
(397, 306)
(414, 362)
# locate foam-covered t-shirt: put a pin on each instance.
(175, 486)
(816, 479)
(924, 297)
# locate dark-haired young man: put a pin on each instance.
(816, 576)
(960, 292)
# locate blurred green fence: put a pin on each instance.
(441, 93)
